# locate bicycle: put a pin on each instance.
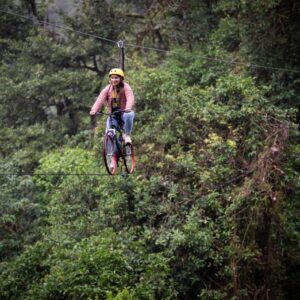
(114, 146)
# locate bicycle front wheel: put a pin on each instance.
(128, 156)
(109, 155)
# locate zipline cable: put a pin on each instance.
(59, 26)
(249, 65)
(53, 174)
(62, 174)
(78, 31)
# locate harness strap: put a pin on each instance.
(116, 100)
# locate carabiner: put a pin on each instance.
(121, 44)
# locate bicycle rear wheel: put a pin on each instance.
(128, 156)
(109, 154)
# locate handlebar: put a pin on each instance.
(93, 117)
(110, 114)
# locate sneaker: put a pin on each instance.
(127, 139)
(112, 164)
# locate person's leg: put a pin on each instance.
(128, 118)
(110, 122)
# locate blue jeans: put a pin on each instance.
(127, 118)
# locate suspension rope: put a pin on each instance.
(121, 45)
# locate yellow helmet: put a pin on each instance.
(116, 71)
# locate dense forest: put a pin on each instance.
(212, 210)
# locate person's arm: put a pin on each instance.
(129, 97)
(100, 100)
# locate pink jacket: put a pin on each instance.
(126, 98)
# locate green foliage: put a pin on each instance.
(277, 30)
(212, 135)
(90, 269)
(21, 214)
(123, 295)
(24, 271)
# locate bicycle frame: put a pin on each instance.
(116, 133)
(113, 138)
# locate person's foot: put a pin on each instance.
(127, 139)
(112, 164)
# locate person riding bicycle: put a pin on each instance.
(119, 96)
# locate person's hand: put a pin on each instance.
(127, 110)
(92, 113)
